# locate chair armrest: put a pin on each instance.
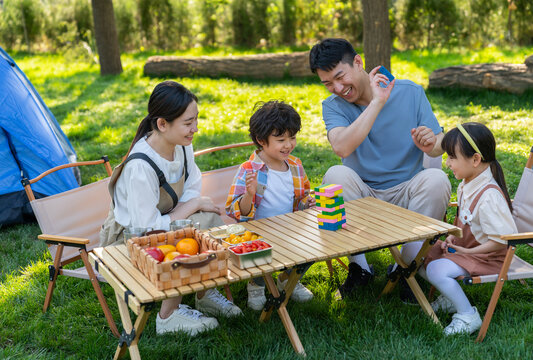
(452, 204)
(519, 238)
(63, 239)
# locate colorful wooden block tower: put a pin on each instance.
(330, 203)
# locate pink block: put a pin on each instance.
(331, 221)
(330, 209)
(343, 226)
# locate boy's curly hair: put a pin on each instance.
(273, 118)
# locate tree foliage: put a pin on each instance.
(180, 24)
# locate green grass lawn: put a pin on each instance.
(100, 116)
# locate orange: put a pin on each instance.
(167, 248)
(187, 246)
(246, 236)
(171, 255)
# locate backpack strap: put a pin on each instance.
(162, 180)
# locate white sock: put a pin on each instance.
(360, 259)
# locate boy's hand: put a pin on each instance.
(311, 201)
(251, 183)
(424, 138)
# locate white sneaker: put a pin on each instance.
(300, 292)
(256, 296)
(215, 303)
(443, 304)
(185, 319)
(464, 323)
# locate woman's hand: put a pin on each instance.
(205, 203)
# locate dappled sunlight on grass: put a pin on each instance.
(100, 116)
(21, 284)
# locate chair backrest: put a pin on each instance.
(216, 183)
(523, 200)
(77, 213)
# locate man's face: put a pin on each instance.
(344, 80)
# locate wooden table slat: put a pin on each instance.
(414, 215)
(340, 238)
(350, 233)
(291, 242)
(395, 220)
(308, 237)
(123, 275)
(280, 246)
(121, 254)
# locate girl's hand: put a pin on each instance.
(424, 138)
(251, 183)
(459, 249)
(449, 241)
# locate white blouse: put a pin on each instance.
(491, 217)
(137, 188)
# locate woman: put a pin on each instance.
(159, 182)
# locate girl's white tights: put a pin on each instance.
(441, 273)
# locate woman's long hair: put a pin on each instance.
(486, 143)
(169, 100)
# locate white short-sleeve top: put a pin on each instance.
(137, 188)
(492, 217)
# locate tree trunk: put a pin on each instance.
(106, 35)
(376, 34)
(261, 66)
(513, 78)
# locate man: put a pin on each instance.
(381, 133)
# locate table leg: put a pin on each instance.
(282, 310)
(408, 272)
(131, 333)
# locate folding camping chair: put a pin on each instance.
(70, 223)
(513, 267)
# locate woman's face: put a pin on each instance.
(181, 130)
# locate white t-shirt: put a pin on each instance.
(491, 217)
(137, 188)
(278, 197)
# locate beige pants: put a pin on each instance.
(427, 193)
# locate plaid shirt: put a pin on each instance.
(255, 164)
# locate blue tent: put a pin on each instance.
(31, 142)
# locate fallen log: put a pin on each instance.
(259, 66)
(513, 78)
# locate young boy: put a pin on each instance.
(272, 182)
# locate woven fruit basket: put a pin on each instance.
(165, 275)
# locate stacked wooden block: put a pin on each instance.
(330, 203)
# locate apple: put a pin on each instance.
(156, 253)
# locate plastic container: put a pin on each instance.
(251, 259)
(221, 236)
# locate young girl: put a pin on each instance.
(483, 213)
(159, 182)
